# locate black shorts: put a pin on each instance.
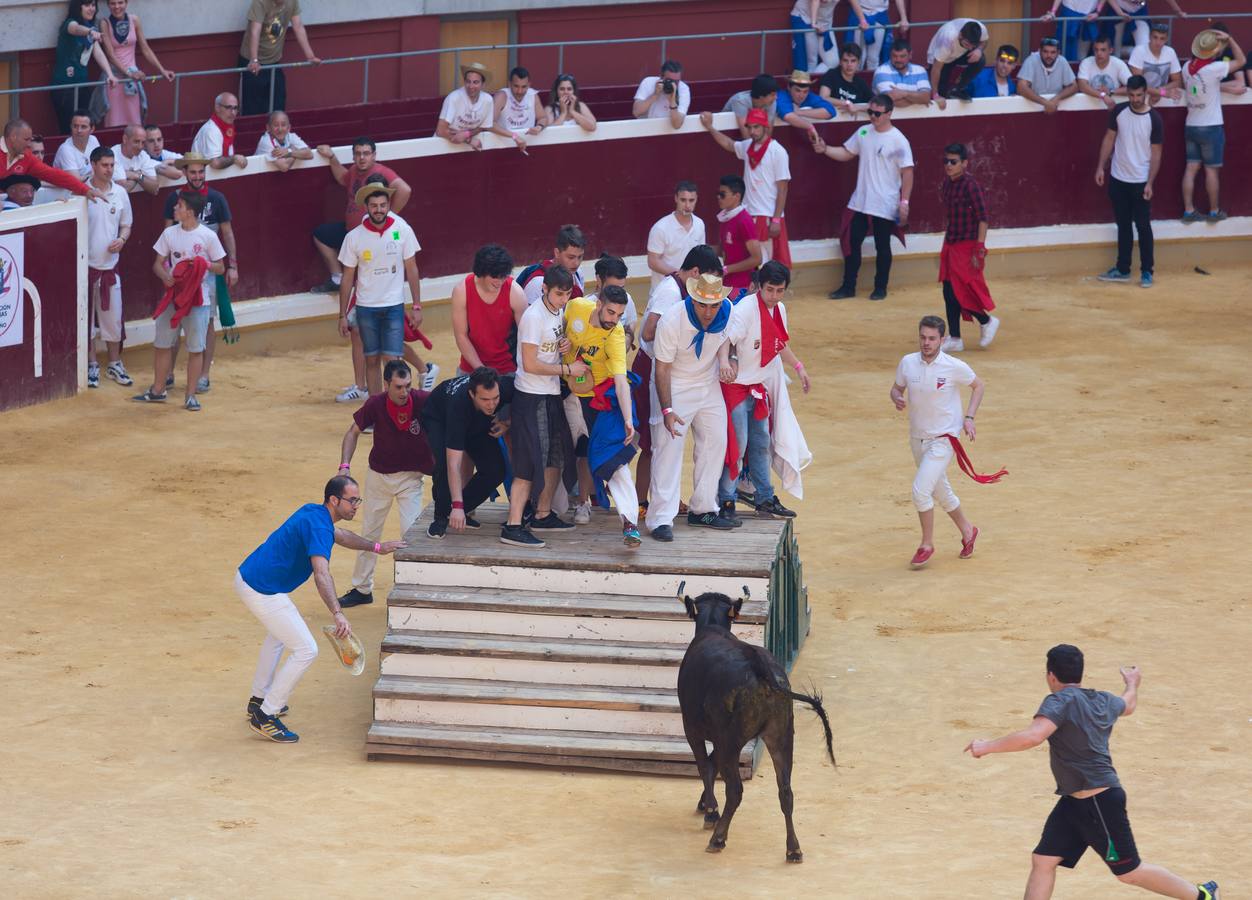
(539, 435)
(332, 234)
(589, 420)
(1098, 822)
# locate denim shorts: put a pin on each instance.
(194, 326)
(1205, 143)
(381, 329)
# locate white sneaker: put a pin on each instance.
(989, 332)
(93, 375)
(118, 373)
(582, 515)
(203, 385)
(350, 395)
(430, 377)
(952, 345)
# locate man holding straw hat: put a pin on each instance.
(1205, 132)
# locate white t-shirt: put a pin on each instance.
(1132, 150)
(668, 238)
(1156, 69)
(379, 261)
(265, 146)
(762, 182)
(543, 328)
(1108, 79)
(1083, 7)
(945, 46)
(660, 108)
(462, 115)
(666, 295)
(1203, 92)
(123, 166)
(534, 288)
(105, 219)
(208, 141)
(691, 376)
(934, 394)
(518, 115)
(177, 244)
(881, 156)
(745, 333)
(871, 8)
(76, 161)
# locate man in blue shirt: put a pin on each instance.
(799, 106)
(300, 547)
(997, 82)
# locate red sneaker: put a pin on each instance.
(967, 547)
(921, 557)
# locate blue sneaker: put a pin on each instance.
(271, 727)
(1191, 216)
(1145, 280)
(1114, 274)
(1209, 891)
(631, 537)
(1217, 215)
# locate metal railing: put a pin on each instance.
(664, 41)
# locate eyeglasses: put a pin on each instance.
(229, 107)
(1049, 42)
(354, 502)
(875, 113)
(952, 161)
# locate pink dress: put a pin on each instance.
(124, 104)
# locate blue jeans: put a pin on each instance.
(803, 45)
(876, 42)
(1071, 29)
(752, 436)
(1205, 144)
(382, 329)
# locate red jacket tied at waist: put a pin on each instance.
(956, 264)
(184, 293)
(734, 394)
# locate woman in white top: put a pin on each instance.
(565, 108)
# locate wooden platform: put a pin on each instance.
(566, 655)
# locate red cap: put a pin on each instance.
(756, 117)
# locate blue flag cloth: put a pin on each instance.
(717, 326)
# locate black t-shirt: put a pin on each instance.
(854, 91)
(216, 209)
(450, 405)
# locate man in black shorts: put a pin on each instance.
(1077, 722)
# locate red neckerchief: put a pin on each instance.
(1197, 64)
(377, 229)
(188, 189)
(754, 155)
(773, 332)
(402, 416)
(228, 135)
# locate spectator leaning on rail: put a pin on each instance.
(799, 107)
(19, 191)
(841, 86)
(1103, 75)
(566, 108)
(74, 155)
(1204, 131)
(1075, 24)
(663, 97)
(901, 79)
(1045, 77)
(132, 167)
(959, 44)
(468, 110)
(17, 160)
(108, 228)
(263, 43)
(215, 140)
(997, 80)
(281, 146)
(673, 235)
(1158, 63)
(1133, 140)
(518, 114)
(873, 30)
(762, 95)
(78, 40)
(163, 159)
(123, 35)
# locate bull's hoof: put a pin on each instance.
(702, 808)
(715, 846)
(795, 856)
(710, 820)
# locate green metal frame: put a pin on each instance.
(788, 623)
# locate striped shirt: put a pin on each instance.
(887, 78)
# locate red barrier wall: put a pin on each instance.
(51, 254)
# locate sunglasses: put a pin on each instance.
(1049, 42)
(875, 113)
(952, 161)
(1004, 57)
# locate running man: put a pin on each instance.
(1077, 722)
(300, 547)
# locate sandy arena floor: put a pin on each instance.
(1122, 415)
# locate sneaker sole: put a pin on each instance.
(275, 738)
(436, 537)
(1108, 280)
(514, 542)
(545, 528)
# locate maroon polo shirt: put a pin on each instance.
(395, 450)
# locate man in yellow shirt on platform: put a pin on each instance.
(596, 336)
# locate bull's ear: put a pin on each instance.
(691, 607)
(735, 607)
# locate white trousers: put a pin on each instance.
(286, 631)
(108, 322)
(704, 412)
(405, 488)
(930, 484)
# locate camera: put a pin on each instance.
(667, 85)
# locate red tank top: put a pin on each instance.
(490, 328)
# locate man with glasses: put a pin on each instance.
(963, 258)
(880, 202)
(215, 140)
(300, 547)
(1045, 78)
(997, 80)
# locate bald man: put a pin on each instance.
(133, 169)
(216, 138)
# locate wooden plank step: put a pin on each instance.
(646, 653)
(375, 751)
(517, 693)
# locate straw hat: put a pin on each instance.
(1207, 44)
(707, 289)
(476, 67)
(370, 188)
(349, 652)
(192, 158)
(799, 77)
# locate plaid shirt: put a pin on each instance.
(966, 208)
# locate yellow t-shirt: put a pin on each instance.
(603, 349)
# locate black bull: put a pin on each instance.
(730, 692)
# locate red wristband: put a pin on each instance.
(458, 504)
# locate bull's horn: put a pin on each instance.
(681, 587)
(746, 593)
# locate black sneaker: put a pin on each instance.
(550, 522)
(772, 509)
(254, 704)
(271, 727)
(708, 520)
(747, 497)
(326, 287)
(355, 598)
(960, 94)
(519, 536)
(879, 295)
(728, 513)
(663, 533)
(842, 293)
(471, 522)
(437, 528)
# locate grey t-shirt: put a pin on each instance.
(741, 102)
(1079, 748)
(1045, 81)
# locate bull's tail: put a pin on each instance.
(816, 702)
